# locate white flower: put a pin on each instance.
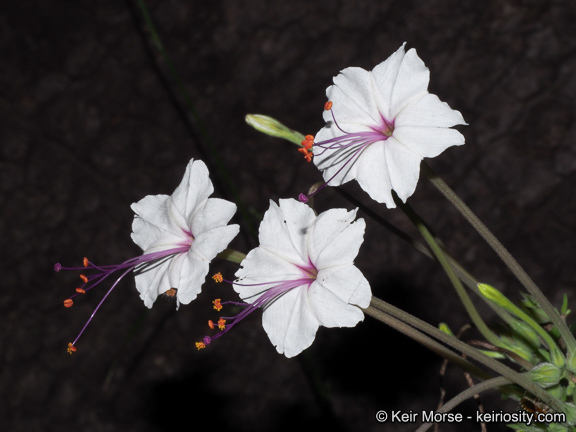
(303, 274)
(382, 124)
(180, 235)
(188, 224)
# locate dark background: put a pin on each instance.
(91, 121)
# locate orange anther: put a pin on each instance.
(171, 292)
(303, 151)
(211, 324)
(71, 348)
(85, 262)
(218, 277)
(80, 291)
(68, 303)
(309, 138)
(307, 144)
(84, 278)
(221, 324)
(308, 157)
(200, 345)
(217, 304)
(328, 106)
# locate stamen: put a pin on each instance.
(103, 272)
(200, 345)
(306, 153)
(171, 292)
(308, 142)
(266, 296)
(306, 148)
(71, 348)
(356, 142)
(217, 277)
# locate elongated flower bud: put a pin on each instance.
(269, 126)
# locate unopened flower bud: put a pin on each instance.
(495, 296)
(545, 374)
(273, 127)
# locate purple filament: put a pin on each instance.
(104, 271)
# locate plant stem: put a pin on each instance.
(460, 271)
(231, 255)
(467, 394)
(504, 255)
(437, 251)
(471, 352)
(427, 341)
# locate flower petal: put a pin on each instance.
(373, 175)
(429, 111)
(260, 267)
(153, 226)
(332, 311)
(384, 77)
(188, 274)
(347, 283)
(216, 213)
(152, 279)
(403, 166)
(193, 191)
(411, 82)
(210, 243)
(352, 97)
(335, 240)
(428, 141)
(283, 230)
(290, 323)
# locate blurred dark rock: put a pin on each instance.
(91, 122)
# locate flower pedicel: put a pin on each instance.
(179, 234)
(380, 124)
(302, 275)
